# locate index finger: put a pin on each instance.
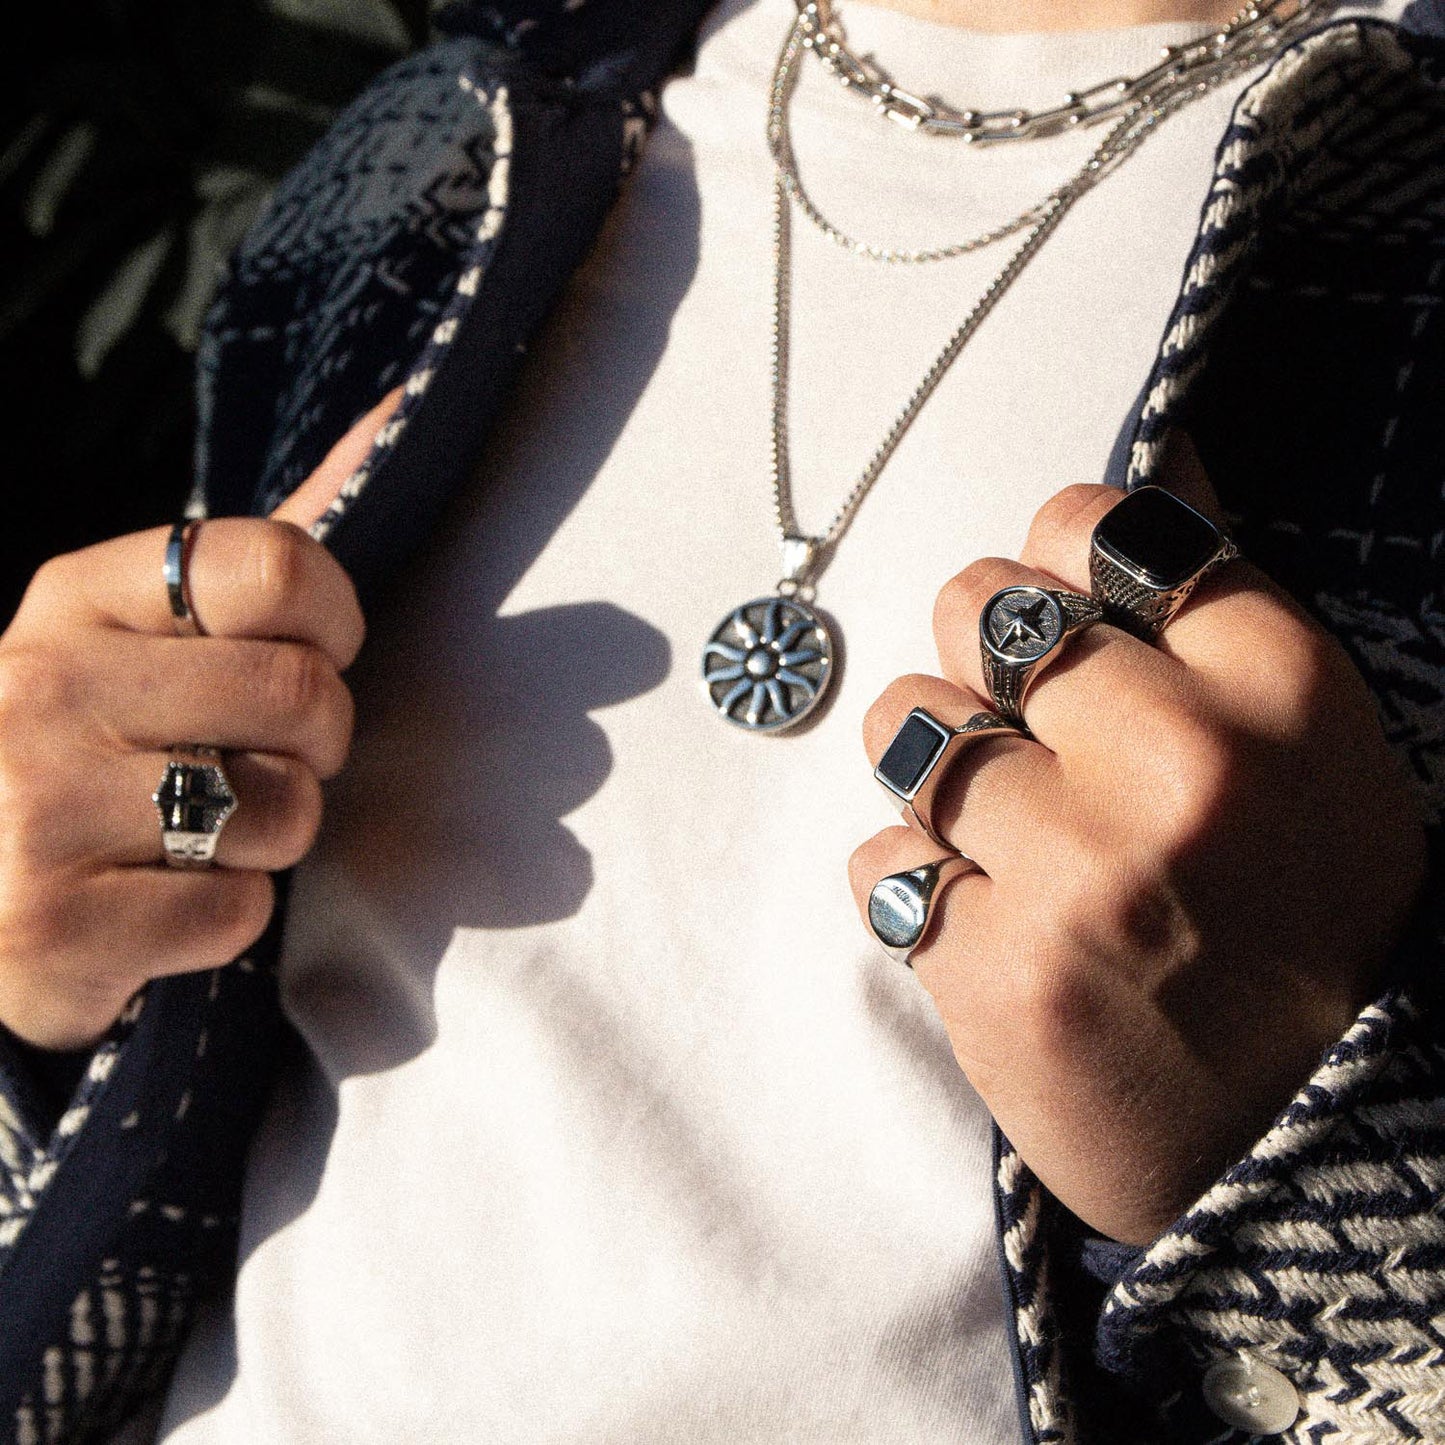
(248, 577)
(269, 581)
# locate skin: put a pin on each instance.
(1191, 877)
(94, 687)
(1190, 880)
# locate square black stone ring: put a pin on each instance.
(1148, 553)
(915, 763)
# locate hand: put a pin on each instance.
(95, 687)
(1192, 876)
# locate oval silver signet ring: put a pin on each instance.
(901, 906)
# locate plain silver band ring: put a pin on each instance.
(901, 906)
(178, 584)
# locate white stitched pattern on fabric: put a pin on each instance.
(1402, 382)
(1264, 122)
(1342, 1286)
(499, 113)
(1050, 1417)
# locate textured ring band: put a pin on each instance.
(1021, 630)
(915, 763)
(194, 800)
(901, 906)
(1147, 555)
(176, 570)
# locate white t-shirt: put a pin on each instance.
(614, 1124)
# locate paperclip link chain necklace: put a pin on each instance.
(1242, 42)
(767, 665)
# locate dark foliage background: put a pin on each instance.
(138, 139)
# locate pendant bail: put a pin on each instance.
(800, 557)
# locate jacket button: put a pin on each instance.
(1250, 1395)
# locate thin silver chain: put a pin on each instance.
(808, 554)
(1252, 34)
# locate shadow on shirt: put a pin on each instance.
(433, 831)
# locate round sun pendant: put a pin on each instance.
(768, 664)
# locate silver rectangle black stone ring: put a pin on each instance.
(915, 763)
(1147, 554)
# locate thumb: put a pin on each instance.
(308, 503)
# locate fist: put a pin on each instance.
(1190, 876)
(96, 688)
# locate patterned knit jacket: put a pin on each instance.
(421, 243)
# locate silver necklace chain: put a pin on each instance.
(768, 664)
(1258, 24)
(1254, 33)
(804, 554)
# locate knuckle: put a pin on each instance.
(1186, 765)
(1081, 497)
(961, 598)
(50, 582)
(234, 911)
(57, 582)
(1058, 1002)
(33, 684)
(355, 618)
(1204, 786)
(890, 707)
(304, 693)
(358, 617)
(873, 860)
(277, 569)
(302, 821)
(297, 681)
(336, 727)
(858, 870)
(1192, 782)
(1311, 672)
(1064, 510)
(1118, 908)
(1130, 907)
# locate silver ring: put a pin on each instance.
(917, 760)
(176, 570)
(194, 801)
(1147, 554)
(1021, 630)
(901, 906)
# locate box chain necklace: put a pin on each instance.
(768, 664)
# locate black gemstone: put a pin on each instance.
(914, 749)
(1157, 537)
